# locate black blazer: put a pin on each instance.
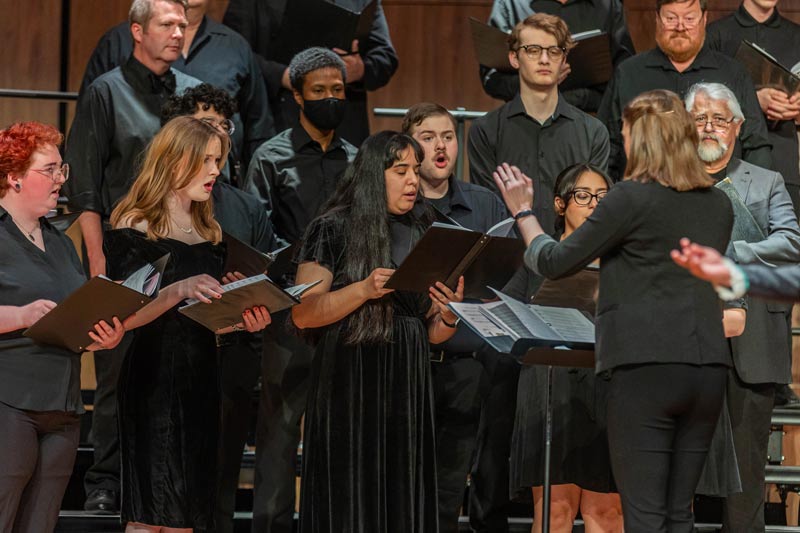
(649, 310)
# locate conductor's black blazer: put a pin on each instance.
(649, 309)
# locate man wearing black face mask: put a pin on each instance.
(293, 174)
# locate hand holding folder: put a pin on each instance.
(446, 252)
(99, 299)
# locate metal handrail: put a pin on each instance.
(460, 114)
(58, 96)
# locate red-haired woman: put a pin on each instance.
(40, 396)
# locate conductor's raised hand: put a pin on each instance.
(201, 287)
(515, 186)
(703, 262)
(441, 296)
(106, 336)
(372, 286)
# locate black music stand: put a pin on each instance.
(579, 357)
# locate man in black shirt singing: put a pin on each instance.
(118, 114)
(370, 65)
(293, 174)
(760, 23)
(459, 379)
(680, 60)
(580, 16)
(212, 53)
(537, 131)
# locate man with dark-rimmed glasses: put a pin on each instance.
(680, 59)
(542, 134)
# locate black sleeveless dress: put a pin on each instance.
(168, 394)
(369, 461)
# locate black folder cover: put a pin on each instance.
(765, 69)
(324, 24)
(241, 295)
(590, 60)
(243, 258)
(446, 252)
(68, 324)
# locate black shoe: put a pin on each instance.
(785, 397)
(102, 501)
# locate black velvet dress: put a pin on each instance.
(369, 463)
(168, 394)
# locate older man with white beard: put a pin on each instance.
(760, 354)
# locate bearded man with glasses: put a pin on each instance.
(760, 355)
(680, 59)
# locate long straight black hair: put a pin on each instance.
(361, 198)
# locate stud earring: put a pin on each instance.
(17, 186)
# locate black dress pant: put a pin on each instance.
(104, 436)
(661, 418)
(285, 380)
(750, 408)
(457, 384)
(240, 362)
(37, 453)
(489, 494)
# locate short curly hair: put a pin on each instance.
(205, 96)
(312, 59)
(18, 142)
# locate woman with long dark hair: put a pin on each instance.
(659, 330)
(368, 459)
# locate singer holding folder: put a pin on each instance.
(169, 387)
(40, 397)
(369, 459)
(659, 330)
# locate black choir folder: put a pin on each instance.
(241, 295)
(324, 24)
(765, 70)
(590, 60)
(68, 324)
(535, 333)
(447, 251)
(243, 258)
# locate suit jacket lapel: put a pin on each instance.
(741, 178)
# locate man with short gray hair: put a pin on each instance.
(116, 117)
(761, 355)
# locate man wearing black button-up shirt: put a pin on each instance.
(459, 380)
(212, 53)
(369, 67)
(293, 174)
(117, 116)
(680, 60)
(580, 16)
(759, 22)
(537, 131)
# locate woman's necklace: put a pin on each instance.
(185, 230)
(26, 232)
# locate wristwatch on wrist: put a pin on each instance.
(524, 213)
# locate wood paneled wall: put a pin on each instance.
(431, 36)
